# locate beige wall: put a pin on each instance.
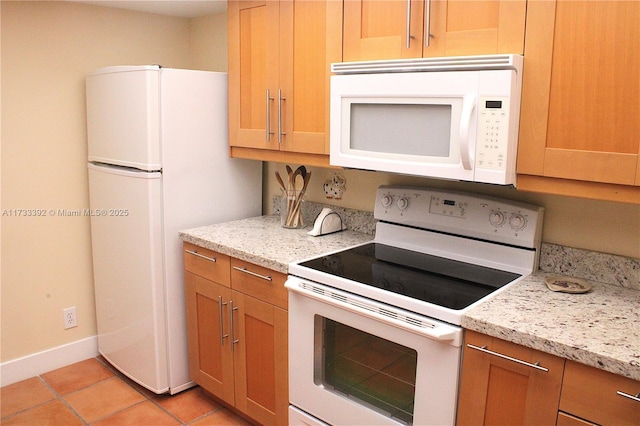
(209, 43)
(593, 225)
(47, 49)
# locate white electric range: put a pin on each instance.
(374, 330)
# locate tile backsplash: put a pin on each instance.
(590, 265)
(355, 220)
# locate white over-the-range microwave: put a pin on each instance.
(450, 118)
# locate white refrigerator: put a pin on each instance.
(158, 159)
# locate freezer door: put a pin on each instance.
(123, 117)
(126, 232)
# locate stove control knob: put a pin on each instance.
(403, 203)
(387, 201)
(517, 221)
(496, 218)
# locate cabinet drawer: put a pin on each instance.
(503, 383)
(207, 264)
(593, 394)
(262, 283)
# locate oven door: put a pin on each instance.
(358, 362)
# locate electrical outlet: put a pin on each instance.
(69, 316)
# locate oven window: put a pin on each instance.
(365, 368)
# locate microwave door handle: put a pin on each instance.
(468, 106)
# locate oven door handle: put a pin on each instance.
(377, 311)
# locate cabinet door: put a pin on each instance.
(580, 112)
(476, 27)
(376, 29)
(397, 29)
(260, 359)
(310, 40)
(253, 72)
(498, 391)
(599, 396)
(210, 357)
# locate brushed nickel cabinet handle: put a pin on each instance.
(508, 358)
(231, 325)
(427, 23)
(195, 253)
(220, 305)
(408, 31)
(635, 397)
(268, 109)
(255, 274)
(280, 132)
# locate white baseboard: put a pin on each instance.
(42, 362)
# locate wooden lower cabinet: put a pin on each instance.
(594, 396)
(238, 342)
(210, 356)
(260, 360)
(500, 384)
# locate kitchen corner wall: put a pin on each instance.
(47, 49)
(601, 226)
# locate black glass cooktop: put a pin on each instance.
(432, 279)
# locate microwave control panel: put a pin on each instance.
(493, 133)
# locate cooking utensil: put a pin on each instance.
(289, 175)
(295, 214)
(293, 195)
(281, 182)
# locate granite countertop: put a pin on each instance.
(599, 328)
(262, 241)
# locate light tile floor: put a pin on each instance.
(92, 393)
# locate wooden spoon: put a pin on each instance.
(295, 214)
(281, 182)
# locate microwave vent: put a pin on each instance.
(452, 63)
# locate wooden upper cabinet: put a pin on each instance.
(396, 29)
(253, 65)
(379, 29)
(279, 69)
(580, 122)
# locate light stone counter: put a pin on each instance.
(262, 241)
(600, 328)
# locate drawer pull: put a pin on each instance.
(246, 271)
(195, 253)
(499, 355)
(635, 397)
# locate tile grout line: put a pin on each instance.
(24, 410)
(147, 397)
(60, 398)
